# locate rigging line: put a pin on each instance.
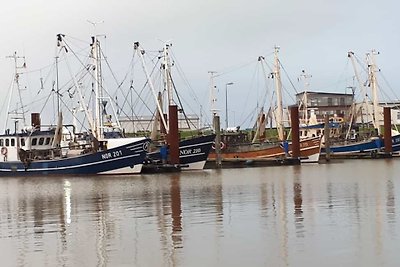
(7, 96)
(109, 67)
(81, 122)
(361, 63)
(180, 70)
(388, 85)
(287, 76)
(126, 97)
(179, 100)
(255, 72)
(111, 98)
(249, 116)
(75, 38)
(37, 70)
(141, 91)
(235, 69)
(131, 63)
(144, 102)
(137, 100)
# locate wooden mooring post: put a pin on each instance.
(294, 119)
(217, 129)
(327, 138)
(387, 124)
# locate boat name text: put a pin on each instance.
(110, 155)
(190, 151)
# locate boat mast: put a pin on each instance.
(61, 44)
(98, 118)
(213, 94)
(305, 77)
(58, 87)
(278, 88)
(98, 89)
(374, 87)
(350, 54)
(16, 80)
(141, 52)
(167, 74)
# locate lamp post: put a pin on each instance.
(226, 104)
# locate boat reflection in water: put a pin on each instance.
(276, 216)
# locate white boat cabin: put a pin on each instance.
(12, 144)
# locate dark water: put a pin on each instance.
(341, 214)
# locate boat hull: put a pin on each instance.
(193, 152)
(371, 145)
(110, 161)
(309, 151)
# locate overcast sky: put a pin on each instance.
(217, 35)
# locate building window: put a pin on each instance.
(329, 101)
(342, 102)
(314, 102)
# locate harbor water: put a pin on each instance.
(337, 214)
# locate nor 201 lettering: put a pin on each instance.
(110, 155)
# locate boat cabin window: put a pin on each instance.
(1, 142)
(7, 142)
(22, 141)
(12, 142)
(34, 141)
(41, 141)
(47, 141)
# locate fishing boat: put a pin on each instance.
(238, 144)
(34, 153)
(39, 149)
(192, 152)
(344, 138)
(309, 150)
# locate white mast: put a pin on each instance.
(213, 94)
(99, 124)
(167, 74)
(305, 77)
(98, 116)
(362, 85)
(278, 88)
(374, 87)
(16, 80)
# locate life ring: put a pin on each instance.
(221, 146)
(4, 151)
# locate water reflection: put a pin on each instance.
(176, 211)
(298, 201)
(281, 216)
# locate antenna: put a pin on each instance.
(95, 24)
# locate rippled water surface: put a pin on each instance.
(338, 214)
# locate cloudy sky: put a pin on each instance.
(218, 35)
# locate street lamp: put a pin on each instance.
(226, 104)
